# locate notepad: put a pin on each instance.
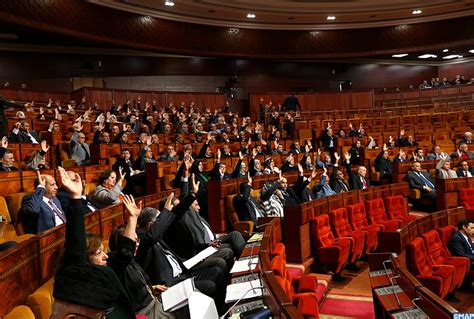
(255, 237)
(243, 290)
(176, 297)
(202, 306)
(244, 265)
(191, 262)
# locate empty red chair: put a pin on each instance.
(296, 271)
(376, 215)
(306, 283)
(332, 252)
(438, 254)
(358, 220)
(437, 278)
(397, 208)
(467, 200)
(306, 303)
(445, 233)
(342, 229)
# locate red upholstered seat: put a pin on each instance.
(376, 215)
(358, 220)
(342, 229)
(331, 251)
(397, 208)
(439, 255)
(467, 200)
(445, 234)
(307, 303)
(437, 278)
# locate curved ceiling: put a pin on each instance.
(297, 14)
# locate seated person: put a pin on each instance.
(109, 190)
(467, 138)
(460, 244)
(418, 155)
(405, 141)
(421, 180)
(463, 152)
(145, 156)
(443, 169)
(401, 157)
(438, 154)
(337, 181)
(6, 157)
(219, 172)
(42, 210)
(464, 170)
(323, 189)
(169, 155)
(359, 180)
(22, 133)
(357, 153)
(289, 165)
(133, 176)
(383, 164)
(247, 206)
(78, 148)
(37, 159)
(326, 162)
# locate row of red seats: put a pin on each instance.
(467, 200)
(347, 233)
(429, 259)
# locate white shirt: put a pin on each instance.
(57, 220)
(209, 232)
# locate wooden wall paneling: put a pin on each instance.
(424, 225)
(160, 99)
(50, 248)
(220, 99)
(29, 96)
(19, 274)
(345, 99)
(11, 94)
(350, 198)
(104, 98)
(362, 99)
(92, 173)
(120, 97)
(455, 215)
(177, 98)
(111, 217)
(310, 102)
(440, 219)
(410, 95)
(328, 101)
(430, 92)
(28, 178)
(10, 183)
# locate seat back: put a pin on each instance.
(14, 205)
(339, 222)
(230, 210)
(396, 206)
(4, 209)
(279, 266)
(357, 216)
(375, 210)
(418, 262)
(434, 246)
(321, 230)
(445, 233)
(466, 195)
(20, 312)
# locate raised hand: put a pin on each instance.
(73, 187)
(169, 202)
(4, 142)
(241, 157)
(385, 147)
(194, 185)
(351, 126)
(249, 179)
(262, 141)
(402, 132)
(209, 137)
(218, 154)
(188, 163)
(44, 146)
(300, 169)
(347, 156)
(254, 152)
(319, 152)
(132, 208)
(314, 173)
(149, 141)
(121, 174)
(337, 157)
(306, 148)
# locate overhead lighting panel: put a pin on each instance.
(331, 18)
(427, 56)
(169, 3)
(445, 50)
(401, 55)
(417, 11)
(251, 16)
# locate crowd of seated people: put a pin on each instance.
(437, 83)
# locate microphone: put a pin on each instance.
(416, 306)
(394, 292)
(262, 225)
(238, 300)
(385, 267)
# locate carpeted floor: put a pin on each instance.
(347, 306)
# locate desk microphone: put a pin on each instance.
(266, 224)
(394, 292)
(238, 300)
(385, 267)
(416, 306)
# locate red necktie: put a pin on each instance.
(364, 183)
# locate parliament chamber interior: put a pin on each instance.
(236, 159)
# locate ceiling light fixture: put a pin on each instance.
(169, 3)
(330, 18)
(445, 50)
(417, 11)
(452, 56)
(251, 15)
(427, 56)
(401, 55)
(471, 51)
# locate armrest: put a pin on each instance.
(375, 177)
(329, 254)
(307, 304)
(433, 283)
(414, 194)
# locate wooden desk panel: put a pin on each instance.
(50, 248)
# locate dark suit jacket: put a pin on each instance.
(336, 184)
(149, 255)
(36, 215)
(416, 182)
(127, 168)
(354, 179)
(23, 137)
(458, 246)
(460, 172)
(242, 205)
(326, 139)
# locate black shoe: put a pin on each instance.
(452, 298)
(338, 278)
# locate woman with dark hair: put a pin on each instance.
(83, 285)
(109, 190)
(202, 177)
(357, 153)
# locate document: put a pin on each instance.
(202, 306)
(177, 296)
(255, 237)
(243, 290)
(191, 262)
(244, 265)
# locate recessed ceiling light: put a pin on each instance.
(169, 3)
(427, 56)
(401, 55)
(445, 50)
(471, 51)
(452, 56)
(331, 18)
(417, 11)
(251, 15)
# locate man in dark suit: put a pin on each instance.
(383, 164)
(132, 176)
(41, 210)
(65, 199)
(359, 180)
(329, 139)
(4, 104)
(421, 180)
(337, 182)
(22, 133)
(6, 157)
(460, 244)
(464, 170)
(245, 204)
(291, 103)
(161, 264)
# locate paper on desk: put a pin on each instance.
(191, 262)
(202, 306)
(255, 237)
(244, 265)
(243, 290)
(177, 296)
